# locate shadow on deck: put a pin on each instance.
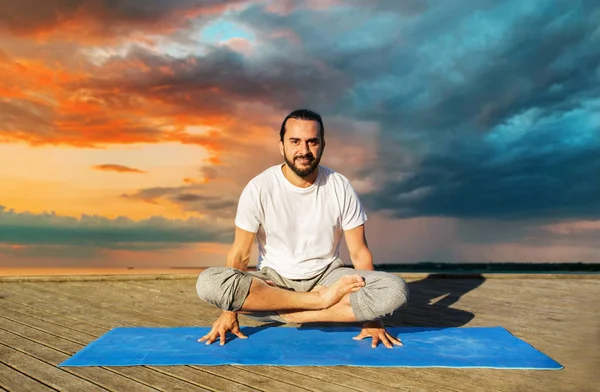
(430, 302)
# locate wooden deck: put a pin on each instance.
(42, 323)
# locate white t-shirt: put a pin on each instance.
(299, 230)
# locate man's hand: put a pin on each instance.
(227, 321)
(376, 330)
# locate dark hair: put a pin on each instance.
(303, 114)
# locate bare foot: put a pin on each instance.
(333, 294)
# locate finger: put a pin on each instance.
(386, 341)
(360, 336)
(211, 339)
(270, 282)
(375, 341)
(236, 331)
(394, 340)
(222, 333)
(204, 338)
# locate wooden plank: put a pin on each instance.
(566, 290)
(436, 372)
(139, 292)
(353, 382)
(50, 375)
(31, 313)
(397, 378)
(97, 331)
(39, 302)
(294, 378)
(159, 380)
(148, 375)
(496, 303)
(205, 379)
(71, 341)
(114, 295)
(163, 310)
(42, 299)
(132, 295)
(13, 380)
(201, 377)
(27, 340)
(562, 347)
(244, 376)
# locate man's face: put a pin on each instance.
(302, 146)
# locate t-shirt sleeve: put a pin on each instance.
(248, 216)
(354, 213)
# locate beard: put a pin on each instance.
(303, 171)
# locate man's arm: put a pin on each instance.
(237, 257)
(362, 259)
(360, 254)
(239, 254)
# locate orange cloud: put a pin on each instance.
(146, 97)
(101, 22)
(195, 181)
(117, 168)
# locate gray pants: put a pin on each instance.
(227, 289)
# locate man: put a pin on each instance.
(298, 212)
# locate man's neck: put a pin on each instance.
(301, 182)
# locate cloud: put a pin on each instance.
(543, 173)
(116, 168)
(98, 21)
(577, 227)
(479, 111)
(206, 199)
(49, 229)
(502, 124)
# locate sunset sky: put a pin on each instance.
(128, 128)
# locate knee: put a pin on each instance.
(223, 287)
(383, 294)
(398, 293)
(208, 283)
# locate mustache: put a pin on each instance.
(310, 157)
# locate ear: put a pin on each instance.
(281, 148)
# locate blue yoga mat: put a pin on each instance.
(467, 347)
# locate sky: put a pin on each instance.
(128, 128)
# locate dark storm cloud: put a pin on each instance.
(494, 104)
(215, 205)
(559, 185)
(51, 229)
(219, 79)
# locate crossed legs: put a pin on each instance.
(340, 295)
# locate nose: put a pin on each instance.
(304, 148)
